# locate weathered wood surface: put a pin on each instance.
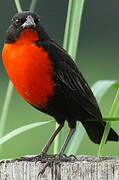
(86, 168)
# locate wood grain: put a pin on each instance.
(85, 168)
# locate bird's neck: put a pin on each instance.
(28, 35)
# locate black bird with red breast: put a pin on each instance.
(45, 75)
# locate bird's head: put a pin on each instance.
(25, 22)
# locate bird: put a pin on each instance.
(47, 77)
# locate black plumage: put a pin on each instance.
(73, 99)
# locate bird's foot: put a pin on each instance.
(25, 158)
(65, 158)
(43, 157)
(56, 159)
(49, 159)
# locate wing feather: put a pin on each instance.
(68, 75)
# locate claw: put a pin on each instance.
(44, 168)
(73, 156)
(25, 158)
(65, 158)
(36, 158)
(49, 159)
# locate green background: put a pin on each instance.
(98, 56)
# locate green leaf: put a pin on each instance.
(106, 119)
(111, 119)
(21, 130)
(76, 139)
(18, 5)
(58, 140)
(112, 113)
(101, 87)
(33, 5)
(72, 28)
(116, 85)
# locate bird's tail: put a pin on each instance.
(95, 131)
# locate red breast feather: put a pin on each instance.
(29, 68)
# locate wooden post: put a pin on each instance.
(85, 168)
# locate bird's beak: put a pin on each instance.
(29, 23)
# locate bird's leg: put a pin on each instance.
(68, 138)
(47, 146)
(61, 153)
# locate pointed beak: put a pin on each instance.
(29, 23)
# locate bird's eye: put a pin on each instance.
(17, 21)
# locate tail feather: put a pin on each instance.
(95, 131)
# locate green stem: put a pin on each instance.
(115, 105)
(57, 141)
(18, 5)
(3, 118)
(33, 5)
(106, 119)
(73, 24)
(112, 113)
(67, 26)
(5, 108)
(111, 119)
(75, 27)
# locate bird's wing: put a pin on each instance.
(68, 76)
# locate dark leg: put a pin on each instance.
(47, 146)
(71, 132)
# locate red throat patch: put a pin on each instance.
(29, 68)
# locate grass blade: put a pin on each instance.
(115, 106)
(76, 15)
(111, 119)
(112, 113)
(5, 109)
(20, 130)
(18, 5)
(116, 85)
(76, 139)
(67, 26)
(57, 141)
(72, 29)
(99, 89)
(33, 5)
(4, 113)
